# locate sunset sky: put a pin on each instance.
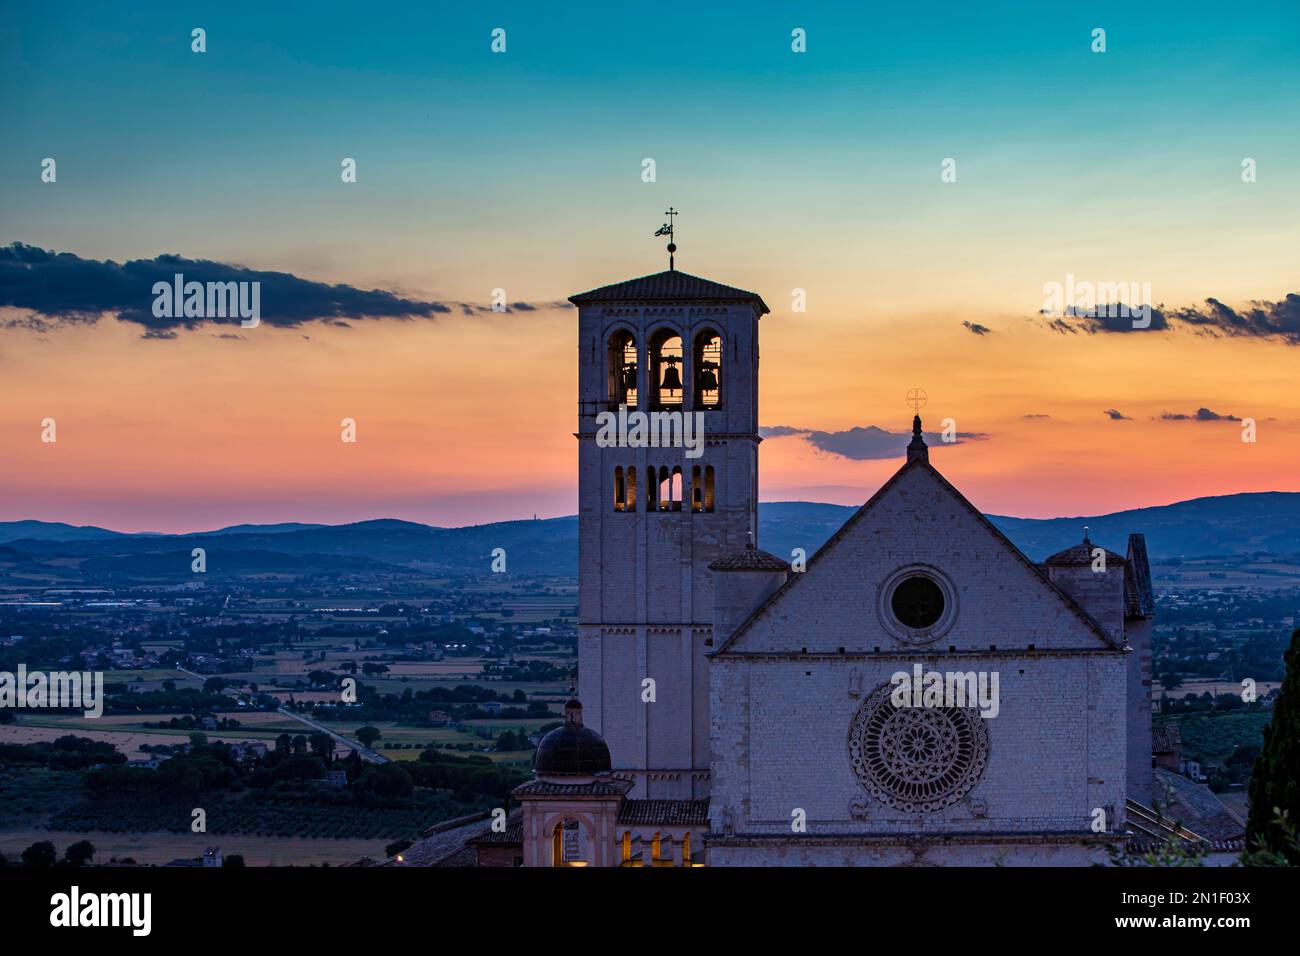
(523, 170)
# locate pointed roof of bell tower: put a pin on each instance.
(671, 285)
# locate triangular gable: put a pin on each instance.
(852, 610)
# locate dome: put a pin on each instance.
(572, 749)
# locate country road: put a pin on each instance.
(366, 752)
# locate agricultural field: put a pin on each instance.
(160, 847)
(265, 818)
(127, 731)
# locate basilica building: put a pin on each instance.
(733, 710)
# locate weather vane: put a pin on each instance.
(917, 398)
(667, 230)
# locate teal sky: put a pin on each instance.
(474, 165)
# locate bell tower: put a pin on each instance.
(654, 512)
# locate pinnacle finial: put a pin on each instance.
(917, 448)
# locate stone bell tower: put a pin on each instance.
(654, 514)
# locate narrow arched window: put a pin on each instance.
(651, 490)
(708, 487)
(697, 490)
(620, 491)
(665, 489)
(675, 489)
(708, 369)
(622, 369)
(666, 384)
(631, 489)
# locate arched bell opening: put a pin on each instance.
(707, 364)
(666, 363)
(622, 369)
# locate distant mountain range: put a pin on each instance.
(1202, 527)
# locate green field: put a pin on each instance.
(1212, 739)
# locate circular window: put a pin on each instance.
(916, 759)
(917, 604)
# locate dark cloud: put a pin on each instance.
(60, 288)
(865, 443)
(1036, 415)
(977, 328)
(1200, 415)
(1278, 320)
(1116, 415)
(1109, 318)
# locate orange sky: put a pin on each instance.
(463, 420)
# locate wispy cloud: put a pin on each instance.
(1278, 321)
(1116, 415)
(865, 442)
(1200, 415)
(977, 328)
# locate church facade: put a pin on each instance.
(738, 711)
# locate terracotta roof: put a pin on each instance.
(512, 835)
(1166, 739)
(1081, 554)
(750, 559)
(670, 286)
(664, 813)
(596, 788)
(441, 849)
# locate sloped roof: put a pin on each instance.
(664, 813)
(1081, 554)
(512, 835)
(669, 286)
(1143, 602)
(596, 788)
(750, 559)
(861, 513)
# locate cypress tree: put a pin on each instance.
(1275, 779)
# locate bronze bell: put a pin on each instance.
(629, 377)
(672, 379)
(708, 378)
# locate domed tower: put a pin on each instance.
(571, 750)
(654, 512)
(570, 807)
